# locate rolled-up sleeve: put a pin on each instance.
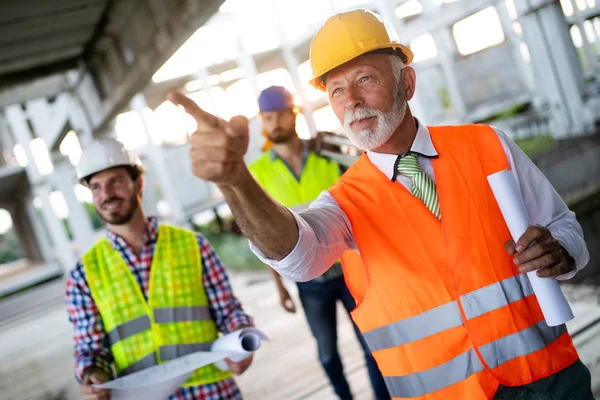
(324, 233)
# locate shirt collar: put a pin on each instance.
(422, 145)
(150, 233)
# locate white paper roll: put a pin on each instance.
(554, 306)
(240, 344)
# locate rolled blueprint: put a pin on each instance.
(239, 344)
(554, 306)
(160, 381)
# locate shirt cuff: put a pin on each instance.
(237, 321)
(570, 247)
(288, 265)
(86, 363)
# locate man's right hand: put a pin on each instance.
(217, 147)
(91, 377)
(286, 300)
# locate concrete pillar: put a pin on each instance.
(138, 104)
(79, 121)
(558, 73)
(446, 50)
(387, 11)
(42, 234)
(25, 234)
(81, 226)
(62, 249)
(292, 64)
(515, 43)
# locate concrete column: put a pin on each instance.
(81, 226)
(79, 121)
(558, 73)
(42, 234)
(62, 249)
(292, 64)
(445, 45)
(515, 43)
(25, 234)
(138, 103)
(387, 11)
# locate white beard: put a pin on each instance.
(387, 123)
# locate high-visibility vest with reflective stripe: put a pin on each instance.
(277, 180)
(443, 308)
(176, 319)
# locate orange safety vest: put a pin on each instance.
(443, 308)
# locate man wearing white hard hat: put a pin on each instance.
(443, 302)
(148, 292)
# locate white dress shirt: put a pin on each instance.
(325, 231)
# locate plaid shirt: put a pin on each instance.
(92, 346)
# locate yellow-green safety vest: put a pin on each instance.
(274, 176)
(176, 319)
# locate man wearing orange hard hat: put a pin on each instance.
(443, 302)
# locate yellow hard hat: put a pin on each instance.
(348, 35)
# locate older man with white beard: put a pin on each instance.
(442, 299)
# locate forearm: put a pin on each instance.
(268, 224)
(277, 279)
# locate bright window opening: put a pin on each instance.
(525, 52)
(588, 27)
(423, 47)
(408, 9)
(512, 10)
(591, 3)
(241, 99)
(41, 156)
(326, 120)
(581, 6)
(576, 36)
(59, 205)
(201, 50)
(130, 130)
(20, 155)
(71, 147)
(478, 31)
(305, 73)
(279, 77)
(567, 7)
(6, 222)
(343, 4)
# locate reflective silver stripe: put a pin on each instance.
(495, 353)
(140, 324)
(180, 314)
(475, 303)
(414, 328)
(496, 295)
(172, 351)
(420, 383)
(146, 362)
(527, 341)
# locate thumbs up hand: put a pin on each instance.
(217, 147)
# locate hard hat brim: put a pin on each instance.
(318, 83)
(85, 179)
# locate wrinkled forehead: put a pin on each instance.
(379, 62)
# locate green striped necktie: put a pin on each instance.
(423, 188)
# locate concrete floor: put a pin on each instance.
(36, 345)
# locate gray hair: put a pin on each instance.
(397, 67)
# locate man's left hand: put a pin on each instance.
(238, 368)
(538, 250)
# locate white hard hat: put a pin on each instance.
(103, 154)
